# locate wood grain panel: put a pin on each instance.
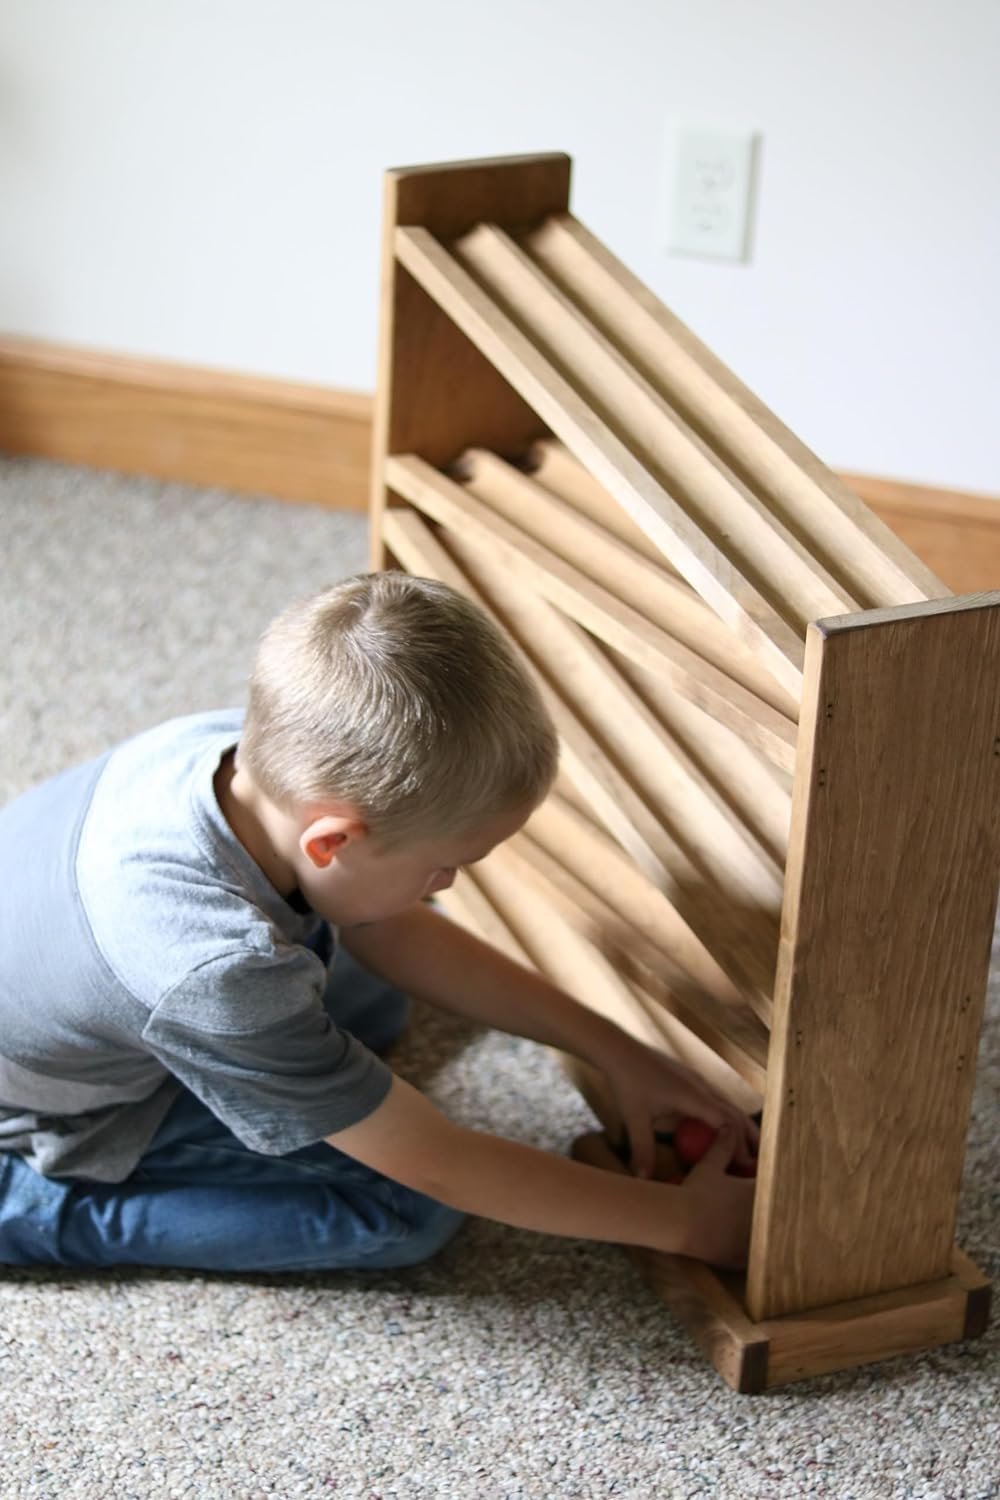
(436, 392)
(891, 885)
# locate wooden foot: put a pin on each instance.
(753, 1357)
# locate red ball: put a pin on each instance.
(692, 1138)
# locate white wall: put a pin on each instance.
(200, 180)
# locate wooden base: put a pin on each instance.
(754, 1357)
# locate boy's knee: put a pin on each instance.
(433, 1225)
(30, 1212)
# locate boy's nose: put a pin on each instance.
(441, 882)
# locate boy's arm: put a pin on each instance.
(434, 960)
(410, 1140)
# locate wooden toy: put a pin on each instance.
(774, 846)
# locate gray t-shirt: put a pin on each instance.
(142, 948)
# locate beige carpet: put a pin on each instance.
(517, 1365)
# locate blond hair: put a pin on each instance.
(400, 698)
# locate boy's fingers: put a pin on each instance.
(717, 1111)
(643, 1145)
(720, 1152)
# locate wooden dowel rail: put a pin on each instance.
(728, 1026)
(877, 567)
(684, 1043)
(451, 506)
(604, 791)
(561, 949)
(626, 575)
(724, 509)
(667, 779)
(758, 791)
(730, 594)
(466, 904)
(743, 939)
(551, 465)
(742, 943)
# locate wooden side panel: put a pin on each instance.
(436, 393)
(889, 907)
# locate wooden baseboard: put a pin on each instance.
(305, 442)
(206, 427)
(957, 534)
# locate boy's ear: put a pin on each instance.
(325, 837)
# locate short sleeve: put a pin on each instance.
(249, 1036)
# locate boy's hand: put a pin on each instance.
(722, 1210)
(653, 1090)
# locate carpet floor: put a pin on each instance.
(515, 1365)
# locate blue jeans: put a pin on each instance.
(201, 1199)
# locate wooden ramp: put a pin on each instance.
(774, 847)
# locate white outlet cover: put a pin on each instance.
(708, 191)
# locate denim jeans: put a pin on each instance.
(201, 1199)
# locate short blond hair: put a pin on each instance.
(402, 699)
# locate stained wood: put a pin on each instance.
(892, 835)
(741, 939)
(654, 763)
(729, 1029)
(467, 905)
(746, 937)
(687, 1045)
(449, 504)
(890, 899)
(556, 948)
(755, 1355)
(626, 574)
(878, 567)
(738, 942)
(720, 949)
(759, 793)
(720, 583)
(562, 950)
(436, 392)
(657, 938)
(552, 465)
(746, 532)
(419, 551)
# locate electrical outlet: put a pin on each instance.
(709, 192)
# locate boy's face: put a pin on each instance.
(355, 881)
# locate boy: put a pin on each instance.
(185, 1080)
